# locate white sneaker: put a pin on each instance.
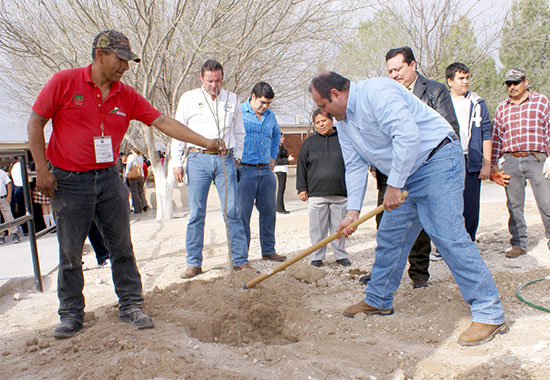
(436, 256)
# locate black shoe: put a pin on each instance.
(137, 318)
(317, 263)
(284, 212)
(419, 283)
(66, 329)
(344, 262)
(364, 279)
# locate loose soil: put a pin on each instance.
(210, 327)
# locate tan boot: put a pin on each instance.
(514, 252)
(245, 266)
(191, 272)
(274, 257)
(479, 333)
(362, 307)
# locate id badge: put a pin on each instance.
(103, 149)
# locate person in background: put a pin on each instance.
(214, 112)
(475, 137)
(6, 192)
(136, 181)
(281, 170)
(18, 198)
(320, 181)
(256, 182)
(521, 136)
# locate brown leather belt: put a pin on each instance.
(523, 154)
(203, 151)
(242, 163)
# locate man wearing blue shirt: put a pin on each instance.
(383, 124)
(257, 182)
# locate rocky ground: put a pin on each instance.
(283, 328)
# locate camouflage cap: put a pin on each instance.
(514, 74)
(117, 42)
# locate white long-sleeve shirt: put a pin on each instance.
(218, 118)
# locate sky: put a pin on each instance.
(13, 125)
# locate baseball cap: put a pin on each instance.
(514, 74)
(117, 42)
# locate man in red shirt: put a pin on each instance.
(90, 110)
(521, 136)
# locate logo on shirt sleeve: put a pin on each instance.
(78, 100)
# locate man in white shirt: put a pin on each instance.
(18, 199)
(211, 111)
(5, 209)
(475, 136)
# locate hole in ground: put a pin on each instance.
(269, 313)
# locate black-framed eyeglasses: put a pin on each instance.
(513, 82)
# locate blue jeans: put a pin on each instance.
(80, 196)
(257, 185)
(202, 169)
(520, 170)
(435, 203)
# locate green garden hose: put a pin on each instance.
(530, 303)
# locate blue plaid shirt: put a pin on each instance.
(261, 142)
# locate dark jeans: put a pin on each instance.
(18, 206)
(98, 243)
(79, 197)
(281, 186)
(472, 187)
(138, 196)
(419, 256)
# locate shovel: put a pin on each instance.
(313, 248)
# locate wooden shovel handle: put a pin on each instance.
(313, 248)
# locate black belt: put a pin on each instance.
(443, 142)
(242, 163)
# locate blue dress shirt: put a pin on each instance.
(390, 128)
(261, 142)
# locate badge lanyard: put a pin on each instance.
(103, 146)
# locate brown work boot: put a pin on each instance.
(274, 257)
(514, 252)
(479, 333)
(363, 307)
(191, 272)
(245, 266)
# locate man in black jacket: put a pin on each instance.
(401, 66)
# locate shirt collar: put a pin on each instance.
(351, 99)
(529, 97)
(115, 86)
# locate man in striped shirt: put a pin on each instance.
(521, 136)
(255, 171)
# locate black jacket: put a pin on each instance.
(436, 96)
(321, 170)
(282, 156)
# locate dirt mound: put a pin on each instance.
(208, 311)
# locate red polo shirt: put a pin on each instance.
(73, 101)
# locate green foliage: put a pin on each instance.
(363, 56)
(525, 42)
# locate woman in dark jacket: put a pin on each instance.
(281, 170)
